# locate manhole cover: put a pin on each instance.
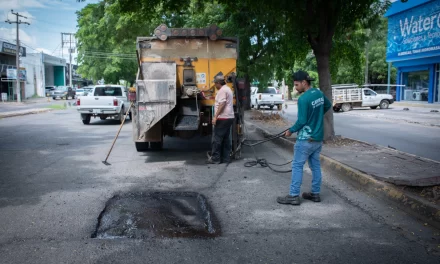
(158, 214)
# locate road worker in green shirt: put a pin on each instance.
(312, 105)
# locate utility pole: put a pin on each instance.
(69, 41)
(17, 55)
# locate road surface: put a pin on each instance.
(53, 188)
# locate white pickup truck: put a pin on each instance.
(103, 101)
(269, 97)
(346, 97)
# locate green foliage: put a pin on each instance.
(57, 106)
(107, 40)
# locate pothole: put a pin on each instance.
(157, 215)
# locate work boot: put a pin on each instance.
(289, 199)
(211, 161)
(311, 196)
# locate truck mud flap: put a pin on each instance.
(156, 95)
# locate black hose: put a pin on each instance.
(263, 162)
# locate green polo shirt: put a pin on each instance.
(312, 105)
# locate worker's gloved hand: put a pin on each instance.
(288, 133)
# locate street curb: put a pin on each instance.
(14, 114)
(423, 210)
(404, 104)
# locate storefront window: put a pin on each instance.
(417, 86)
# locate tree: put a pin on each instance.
(275, 33)
(107, 39)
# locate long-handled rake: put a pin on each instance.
(114, 141)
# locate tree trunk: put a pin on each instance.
(323, 61)
(289, 92)
(247, 105)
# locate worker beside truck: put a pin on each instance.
(222, 121)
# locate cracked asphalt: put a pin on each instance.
(53, 187)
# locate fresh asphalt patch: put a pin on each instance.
(157, 215)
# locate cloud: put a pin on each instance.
(44, 50)
(15, 4)
(9, 35)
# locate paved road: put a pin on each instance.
(53, 187)
(392, 127)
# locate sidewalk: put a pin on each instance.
(417, 104)
(410, 182)
(30, 106)
(24, 112)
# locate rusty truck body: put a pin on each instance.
(175, 92)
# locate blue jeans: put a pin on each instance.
(305, 150)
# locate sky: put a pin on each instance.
(47, 18)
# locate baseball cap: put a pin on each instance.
(219, 78)
(302, 76)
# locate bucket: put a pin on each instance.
(132, 96)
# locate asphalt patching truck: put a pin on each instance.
(175, 92)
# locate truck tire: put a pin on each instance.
(86, 121)
(156, 145)
(258, 106)
(129, 115)
(336, 109)
(141, 146)
(280, 107)
(346, 107)
(373, 107)
(103, 117)
(271, 107)
(384, 104)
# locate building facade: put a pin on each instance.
(54, 70)
(34, 83)
(8, 70)
(414, 49)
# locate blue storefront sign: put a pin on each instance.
(414, 33)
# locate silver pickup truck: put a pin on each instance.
(105, 101)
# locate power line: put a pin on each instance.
(55, 49)
(109, 57)
(128, 55)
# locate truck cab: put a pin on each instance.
(104, 101)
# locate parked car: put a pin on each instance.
(63, 92)
(80, 92)
(105, 101)
(49, 90)
(269, 97)
(347, 97)
(88, 90)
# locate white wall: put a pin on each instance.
(34, 75)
